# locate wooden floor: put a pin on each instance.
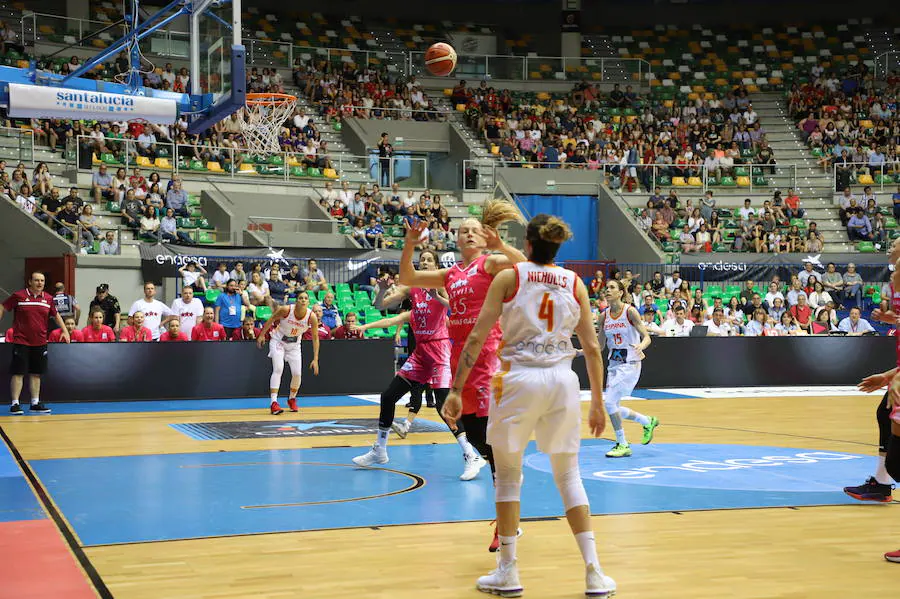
(749, 553)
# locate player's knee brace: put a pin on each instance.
(508, 484)
(611, 404)
(567, 477)
(883, 417)
(277, 369)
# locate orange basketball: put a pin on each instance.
(440, 59)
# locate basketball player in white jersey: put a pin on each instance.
(624, 333)
(289, 323)
(535, 391)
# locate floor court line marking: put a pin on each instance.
(57, 517)
(682, 512)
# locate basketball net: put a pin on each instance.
(261, 121)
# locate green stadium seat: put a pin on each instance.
(714, 291)
(727, 182)
(760, 181)
(865, 247)
(890, 223)
(113, 206)
(314, 172)
(212, 295)
(298, 171)
(740, 171)
(263, 313)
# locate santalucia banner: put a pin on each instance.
(38, 101)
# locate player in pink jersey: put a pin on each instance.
(467, 285)
(878, 487)
(429, 364)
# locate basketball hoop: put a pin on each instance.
(262, 119)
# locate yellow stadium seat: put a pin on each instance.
(163, 163)
(460, 107)
(495, 149)
(866, 124)
(95, 159)
(330, 173)
(743, 181)
(695, 182)
(143, 161)
(866, 180)
(447, 91)
(668, 103)
(292, 160)
(678, 181)
(214, 167)
(247, 169)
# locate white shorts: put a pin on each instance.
(287, 352)
(621, 379)
(543, 401)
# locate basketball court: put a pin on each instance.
(739, 495)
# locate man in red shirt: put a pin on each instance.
(173, 332)
(247, 332)
(32, 309)
(74, 334)
(96, 331)
(349, 329)
(208, 329)
(792, 202)
(324, 331)
(136, 332)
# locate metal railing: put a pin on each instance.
(480, 174)
(284, 54)
(24, 148)
(862, 174)
(169, 157)
(263, 225)
(886, 64)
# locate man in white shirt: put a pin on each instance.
(156, 313)
(806, 273)
(793, 295)
(300, 119)
(854, 325)
(219, 279)
(747, 213)
(750, 116)
(678, 326)
(330, 194)
(673, 282)
(188, 309)
(410, 200)
(717, 326)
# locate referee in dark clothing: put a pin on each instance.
(385, 151)
(32, 309)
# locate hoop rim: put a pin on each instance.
(269, 99)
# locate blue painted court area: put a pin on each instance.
(656, 394)
(194, 405)
(166, 497)
(17, 501)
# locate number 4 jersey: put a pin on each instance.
(539, 320)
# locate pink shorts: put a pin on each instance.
(476, 395)
(429, 364)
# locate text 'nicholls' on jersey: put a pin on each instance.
(539, 320)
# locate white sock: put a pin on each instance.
(467, 448)
(381, 439)
(588, 548)
(507, 549)
(629, 414)
(274, 396)
(881, 473)
(616, 421)
(35, 401)
(15, 402)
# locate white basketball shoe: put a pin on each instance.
(598, 584)
(504, 581)
(474, 464)
(376, 455)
